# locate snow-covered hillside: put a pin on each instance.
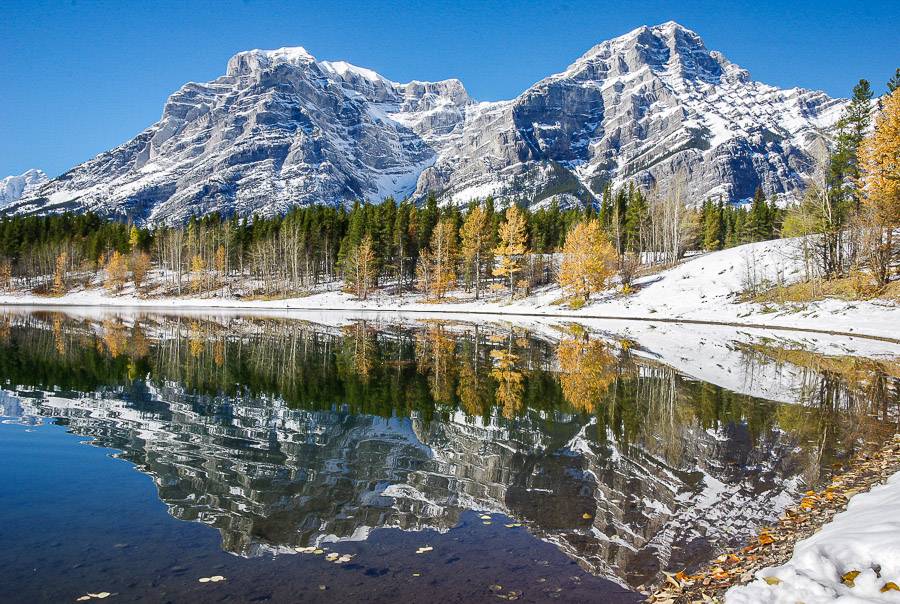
(281, 128)
(704, 288)
(13, 188)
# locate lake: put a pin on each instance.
(382, 458)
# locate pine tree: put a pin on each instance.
(637, 217)
(758, 222)
(852, 127)
(894, 83)
(713, 228)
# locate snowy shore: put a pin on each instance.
(702, 289)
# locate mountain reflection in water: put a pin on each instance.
(283, 433)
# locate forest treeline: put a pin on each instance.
(849, 213)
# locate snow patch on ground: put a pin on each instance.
(864, 538)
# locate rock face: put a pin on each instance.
(279, 129)
(13, 188)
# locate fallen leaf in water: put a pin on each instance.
(318, 552)
(495, 587)
(203, 579)
(586, 516)
(423, 549)
(849, 578)
(217, 578)
(332, 556)
(82, 598)
(487, 522)
(345, 558)
(416, 575)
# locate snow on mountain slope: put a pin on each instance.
(280, 128)
(653, 106)
(13, 188)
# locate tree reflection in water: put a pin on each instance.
(284, 433)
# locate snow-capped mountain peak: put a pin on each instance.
(14, 187)
(280, 128)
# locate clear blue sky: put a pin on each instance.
(78, 77)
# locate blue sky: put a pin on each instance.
(79, 77)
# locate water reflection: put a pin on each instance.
(286, 433)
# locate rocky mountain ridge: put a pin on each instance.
(14, 187)
(280, 128)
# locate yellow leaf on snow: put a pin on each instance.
(849, 578)
(890, 586)
(772, 580)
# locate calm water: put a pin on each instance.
(142, 453)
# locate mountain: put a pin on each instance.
(13, 188)
(280, 128)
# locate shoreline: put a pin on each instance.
(233, 304)
(775, 546)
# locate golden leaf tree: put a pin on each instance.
(140, 266)
(476, 245)
(198, 273)
(512, 247)
(359, 268)
(59, 275)
(437, 264)
(589, 260)
(443, 254)
(116, 271)
(879, 164)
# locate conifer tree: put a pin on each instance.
(359, 268)
(443, 257)
(588, 260)
(511, 247)
(879, 160)
(894, 83)
(476, 245)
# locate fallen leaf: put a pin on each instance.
(772, 580)
(849, 578)
(890, 586)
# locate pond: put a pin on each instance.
(370, 459)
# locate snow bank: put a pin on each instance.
(704, 288)
(865, 538)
